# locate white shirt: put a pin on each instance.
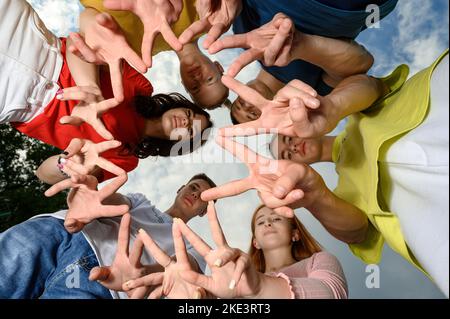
(30, 62)
(102, 233)
(417, 192)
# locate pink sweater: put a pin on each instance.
(318, 277)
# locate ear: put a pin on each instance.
(219, 67)
(255, 244)
(295, 235)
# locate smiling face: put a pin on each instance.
(183, 123)
(271, 230)
(188, 198)
(299, 150)
(202, 79)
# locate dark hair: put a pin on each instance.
(154, 107)
(204, 177)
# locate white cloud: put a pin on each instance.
(160, 178)
(60, 16)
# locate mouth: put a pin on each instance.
(303, 148)
(269, 232)
(176, 122)
(188, 201)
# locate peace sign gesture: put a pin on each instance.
(282, 112)
(272, 44)
(85, 201)
(264, 173)
(157, 16)
(83, 156)
(126, 265)
(90, 108)
(216, 17)
(173, 287)
(232, 272)
(104, 42)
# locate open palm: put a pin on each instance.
(85, 201)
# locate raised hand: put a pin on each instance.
(82, 156)
(232, 273)
(90, 109)
(216, 17)
(296, 110)
(157, 16)
(85, 201)
(126, 265)
(263, 174)
(272, 44)
(173, 287)
(104, 42)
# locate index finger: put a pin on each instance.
(60, 186)
(113, 186)
(123, 239)
(193, 30)
(158, 254)
(216, 229)
(196, 241)
(229, 42)
(134, 60)
(246, 93)
(240, 151)
(116, 79)
(227, 190)
(243, 60)
(178, 244)
(170, 37)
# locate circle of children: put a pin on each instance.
(86, 95)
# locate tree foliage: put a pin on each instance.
(21, 192)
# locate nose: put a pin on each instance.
(185, 122)
(294, 148)
(268, 223)
(196, 195)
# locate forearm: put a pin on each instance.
(343, 220)
(338, 58)
(48, 172)
(84, 73)
(352, 95)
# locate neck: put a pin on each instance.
(188, 49)
(278, 258)
(175, 212)
(271, 82)
(327, 148)
(153, 128)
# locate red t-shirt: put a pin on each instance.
(122, 121)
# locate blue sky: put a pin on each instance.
(415, 33)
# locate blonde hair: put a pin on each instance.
(301, 249)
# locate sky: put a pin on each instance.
(416, 33)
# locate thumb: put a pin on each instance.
(73, 225)
(99, 273)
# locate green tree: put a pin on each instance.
(21, 192)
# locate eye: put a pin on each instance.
(277, 219)
(210, 79)
(260, 223)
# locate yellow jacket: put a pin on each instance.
(134, 29)
(366, 138)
